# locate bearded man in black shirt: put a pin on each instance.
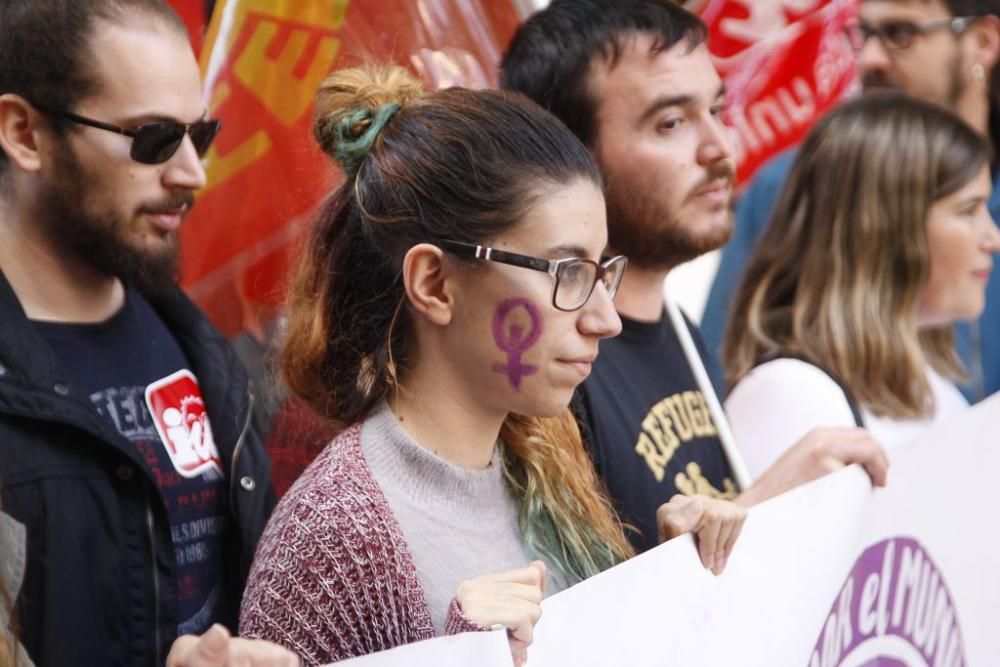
(127, 450)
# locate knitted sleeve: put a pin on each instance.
(332, 578)
(457, 622)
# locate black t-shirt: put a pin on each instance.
(648, 427)
(139, 380)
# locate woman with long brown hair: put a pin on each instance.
(450, 300)
(881, 240)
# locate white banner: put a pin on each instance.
(472, 649)
(832, 574)
(829, 575)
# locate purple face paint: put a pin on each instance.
(512, 339)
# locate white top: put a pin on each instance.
(780, 401)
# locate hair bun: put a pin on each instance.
(353, 105)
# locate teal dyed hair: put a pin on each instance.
(557, 523)
(353, 147)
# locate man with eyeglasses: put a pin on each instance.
(942, 51)
(126, 442)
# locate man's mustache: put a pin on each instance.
(875, 80)
(180, 200)
(724, 170)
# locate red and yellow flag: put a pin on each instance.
(262, 62)
(194, 13)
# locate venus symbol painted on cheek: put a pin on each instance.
(511, 338)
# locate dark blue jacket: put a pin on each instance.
(100, 585)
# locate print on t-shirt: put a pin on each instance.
(674, 421)
(181, 420)
(140, 381)
(648, 427)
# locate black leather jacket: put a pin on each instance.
(100, 585)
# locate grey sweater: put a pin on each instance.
(458, 523)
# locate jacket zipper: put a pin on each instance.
(236, 451)
(156, 577)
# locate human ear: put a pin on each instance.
(985, 43)
(19, 127)
(425, 278)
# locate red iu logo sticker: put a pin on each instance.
(179, 414)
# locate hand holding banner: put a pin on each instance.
(831, 574)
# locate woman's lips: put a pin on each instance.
(982, 274)
(581, 365)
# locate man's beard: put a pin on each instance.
(651, 237)
(87, 231)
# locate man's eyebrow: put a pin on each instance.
(661, 103)
(667, 101)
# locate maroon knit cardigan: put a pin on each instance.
(333, 577)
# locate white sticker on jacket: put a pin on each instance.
(179, 414)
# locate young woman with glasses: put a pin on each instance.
(881, 240)
(451, 298)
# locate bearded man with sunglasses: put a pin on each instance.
(941, 51)
(126, 440)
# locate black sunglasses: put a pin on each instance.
(155, 143)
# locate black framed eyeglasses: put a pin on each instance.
(900, 35)
(155, 143)
(575, 277)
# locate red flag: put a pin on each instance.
(193, 13)
(263, 61)
(784, 62)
